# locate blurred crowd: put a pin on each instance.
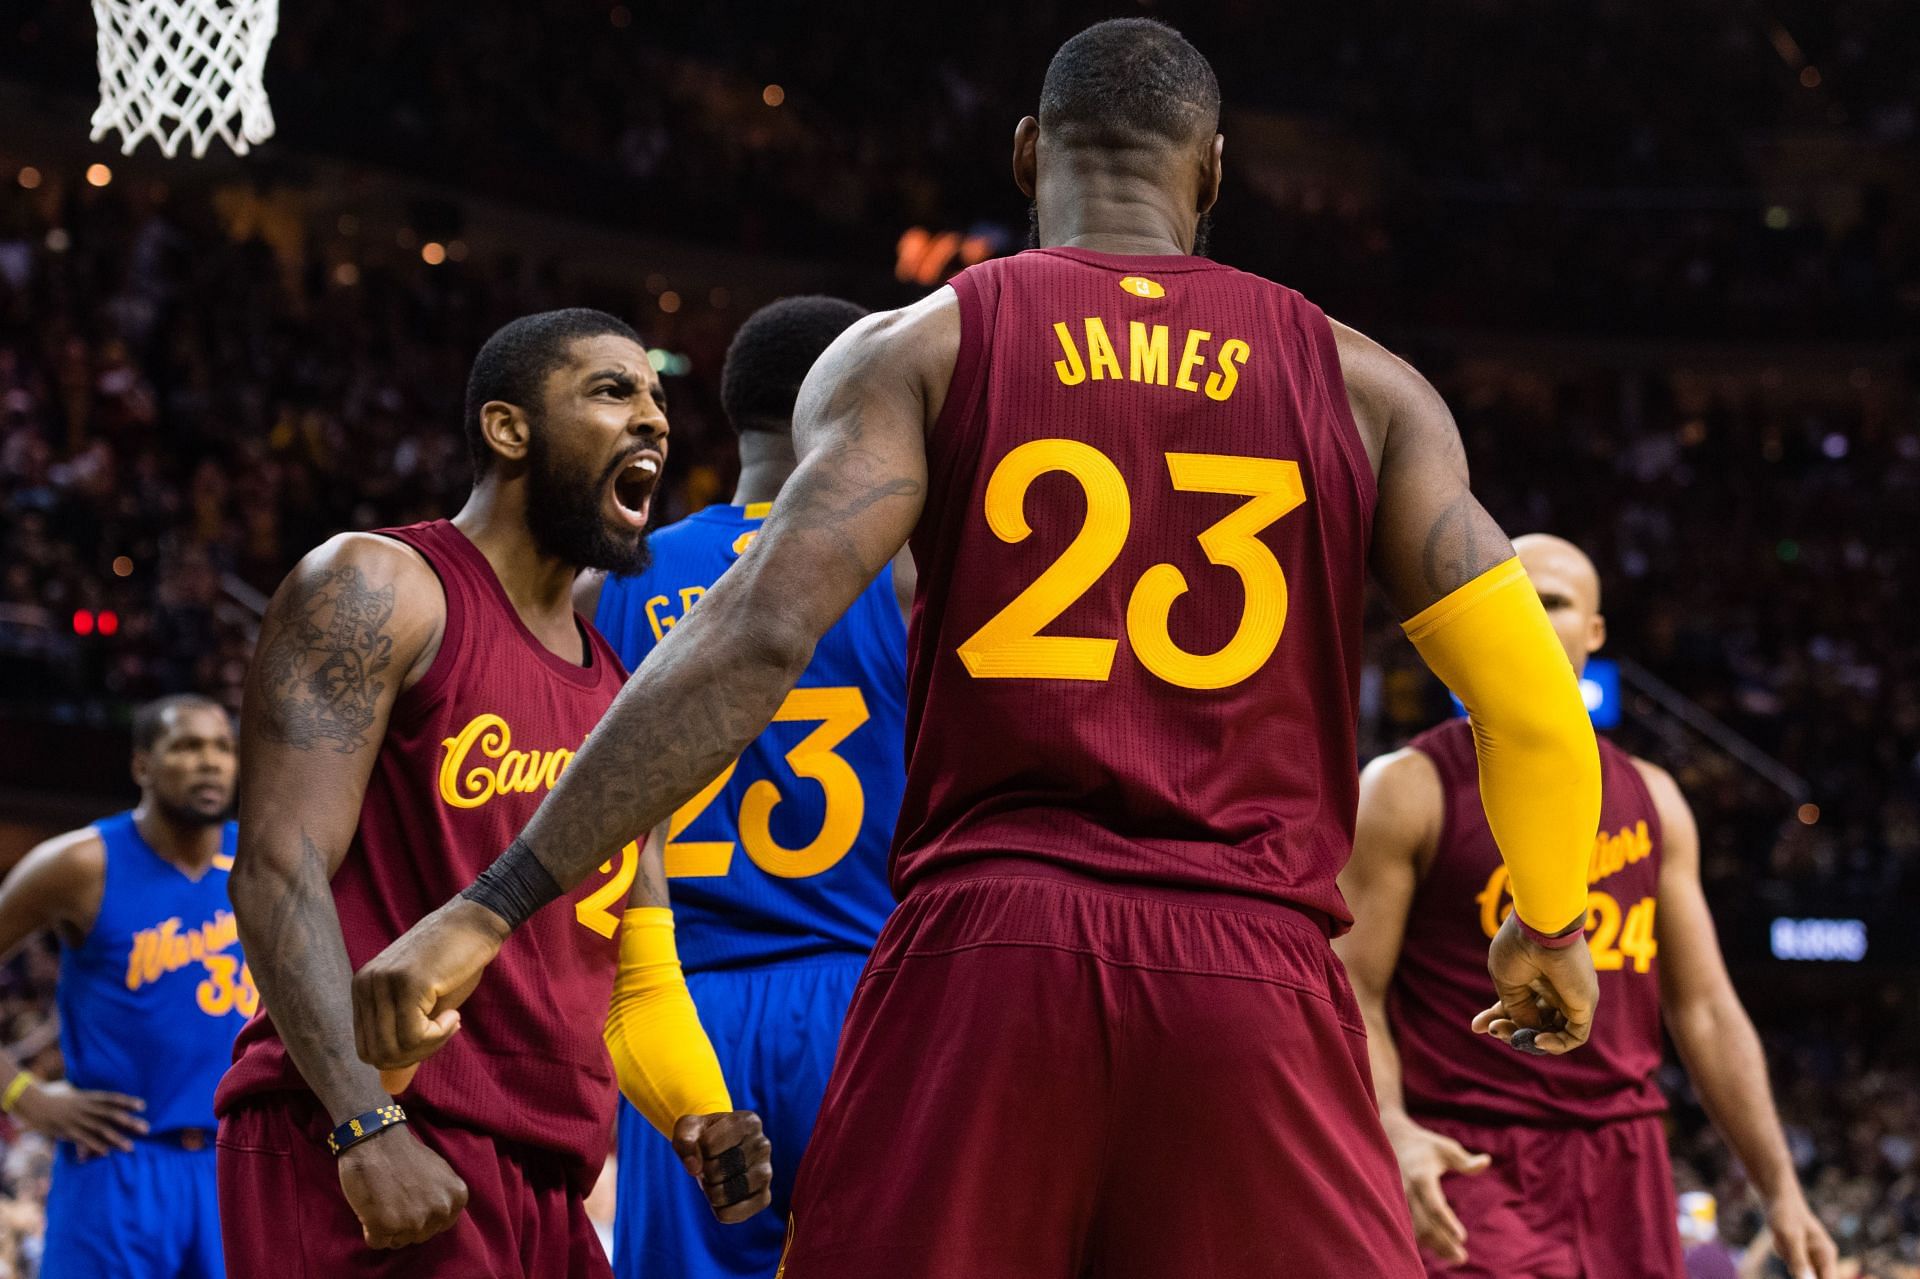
(182, 416)
(1852, 1117)
(26, 1158)
(1714, 168)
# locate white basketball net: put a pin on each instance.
(174, 69)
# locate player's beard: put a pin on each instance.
(564, 515)
(1202, 230)
(180, 813)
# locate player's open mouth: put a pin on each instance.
(633, 487)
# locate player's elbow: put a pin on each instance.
(268, 873)
(1705, 1016)
(1559, 734)
(778, 645)
(1548, 728)
(255, 881)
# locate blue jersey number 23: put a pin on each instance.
(838, 712)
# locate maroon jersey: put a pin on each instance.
(1136, 647)
(470, 751)
(1441, 980)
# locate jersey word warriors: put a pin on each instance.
(470, 751)
(151, 998)
(1136, 650)
(784, 854)
(1441, 979)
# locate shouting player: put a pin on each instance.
(1427, 890)
(779, 867)
(1104, 1033)
(153, 988)
(414, 692)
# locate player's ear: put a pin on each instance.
(506, 429)
(1026, 159)
(142, 768)
(1597, 633)
(1210, 172)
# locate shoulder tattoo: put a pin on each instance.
(321, 667)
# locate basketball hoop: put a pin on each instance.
(174, 69)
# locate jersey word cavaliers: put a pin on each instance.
(1441, 979)
(1136, 647)
(471, 750)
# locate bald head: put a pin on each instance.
(1569, 588)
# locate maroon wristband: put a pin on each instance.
(1576, 931)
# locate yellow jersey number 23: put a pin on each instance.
(1010, 645)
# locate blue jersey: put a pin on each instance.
(784, 855)
(151, 998)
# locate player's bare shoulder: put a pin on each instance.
(60, 880)
(927, 329)
(1402, 806)
(906, 351)
(1678, 832)
(1659, 782)
(1382, 389)
(1401, 778)
(359, 616)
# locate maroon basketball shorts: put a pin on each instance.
(283, 1216)
(1045, 1077)
(1565, 1203)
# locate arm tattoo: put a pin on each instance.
(291, 931)
(320, 667)
(1451, 550)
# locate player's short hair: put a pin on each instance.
(770, 356)
(150, 721)
(515, 361)
(1127, 80)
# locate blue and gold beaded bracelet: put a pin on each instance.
(361, 1127)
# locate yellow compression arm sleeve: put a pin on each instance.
(661, 1055)
(1490, 642)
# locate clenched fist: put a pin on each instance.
(733, 1159)
(402, 1192)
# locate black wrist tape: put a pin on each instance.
(515, 885)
